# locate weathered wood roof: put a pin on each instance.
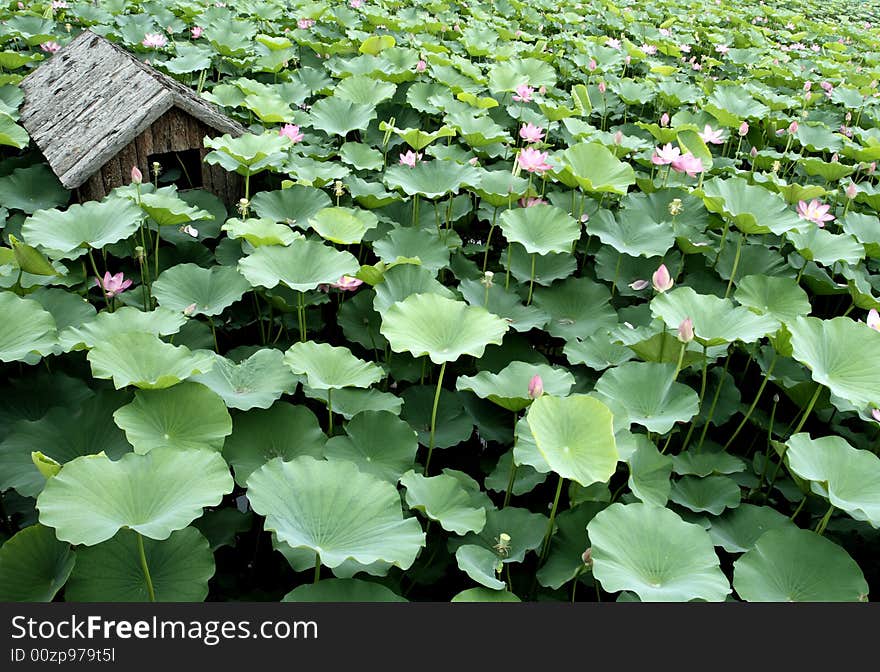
(92, 98)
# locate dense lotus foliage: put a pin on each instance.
(521, 301)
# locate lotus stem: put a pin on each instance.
(680, 361)
(415, 210)
(739, 245)
(97, 275)
(434, 416)
(687, 439)
(329, 411)
(549, 534)
(808, 410)
(616, 273)
(714, 402)
(145, 567)
(820, 528)
(512, 479)
(754, 403)
(507, 276)
(301, 314)
(214, 334)
(317, 568)
(489, 240)
(531, 281)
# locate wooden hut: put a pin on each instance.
(95, 110)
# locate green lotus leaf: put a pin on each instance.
(575, 436)
(731, 105)
(794, 565)
(578, 308)
(294, 205)
(247, 154)
(846, 476)
(188, 415)
(454, 424)
(830, 172)
(652, 399)
(154, 494)
(691, 463)
(378, 442)
(180, 568)
(443, 499)
(737, 530)
(211, 290)
(443, 329)
(781, 298)
(344, 226)
(827, 248)
(482, 594)
(33, 188)
(30, 259)
(525, 450)
(260, 232)
(598, 352)
(649, 473)
(302, 266)
(751, 208)
(336, 511)
(525, 478)
(342, 590)
(125, 320)
(540, 229)
(143, 360)
(26, 330)
(329, 367)
(480, 564)
(258, 436)
(499, 187)
(68, 309)
(364, 90)
(431, 179)
(509, 388)
(425, 246)
(404, 280)
(34, 565)
(505, 303)
(337, 116)
(651, 551)
(633, 232)
(417, 138)
(565, 557)
(716, 321)
(69, 234)
(843, 355)
(15, 136)
(349, 401)
(711, 493)
(256, 382)
(594, 168)
(166, 208)
(525, 529)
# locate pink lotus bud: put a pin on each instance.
(744, 129)
(664, 120)
(618, 138)
(808, 85)
(852, 191)
(587, 557)
(686, 330)
(793, 127)
(872, 167)
(661, 279)
(602, 88)
(421, 65)
(753, 152)
(873, 319)
(875, 413)
(189, 310)
(808, 95)
(136, 175)
(536, 387)
(592, 65)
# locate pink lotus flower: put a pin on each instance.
(639, 285)
(793, 127)
(136, 175)
(602, 88)
(852, 191)
(291, 131)
(665, 155)
(59, 4)
(592, 65)
(686, 330)
(154, 40)
(743, 129)
(873, 319)
(612, 42)
(531, 202)
(709, 135)
(684, 48)
(536, 387)
(113, 284)
(533, 161)
(689, 164)
(661, 279)
(355, 4)
(815, 212)
(410, 158)
(523, 93)
(347, 283)
(50, 47)
(722, 49)
(875, 413)
(190, 230)
(664, 120)
(649, 49)
(618, 138)
(531, 133)
(827, 87)
(196, 32)
(305, 24)
(421, 66)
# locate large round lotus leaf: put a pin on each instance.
(481, 564)
(482, 594)
(260, 232)
(578, 308)
(26, 329)
(716, 321)
(284, 431)
(92, 497)
(732, 104)
(649, 473)
(454, 424)
(247, 154)
(443, 329)
(405, 280)
(69, 234)
(595, 168)
(598, 352)
(143, 360)
(302, 266)
(344, 226)
(548, 268)
(360, 322)
(794, 565)
(329, 367)
(827, 248)
(565, 558)
(349, 401)
(751, 208)
(359, 155)
(504, 303)
(652, 399)
(651, 551)
(710, 493)
(180, 567)
(525, 479)
(540, 229)
(409, 243)
(779, 297)
(161, 322)
(443, 499)
(342, 590)
(576, 437)
(431, 179)
(34, 565)
(33, 188)
(336, 511)
(842, 354)
(68, 309)
(509, 388)
(847, 476)
(294, 205)
(378, 442)
(185, 416)
(633, 232)
(62, 435)
(690, 463)
(737, 530)
(525, 450)
(256, 382)
(337, 116)
(211, 290)
(166, 208)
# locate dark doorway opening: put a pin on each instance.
(182, 169)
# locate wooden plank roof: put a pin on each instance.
(92, 98)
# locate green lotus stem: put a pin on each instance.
(145, 568)
(666, 175)
(214, 334)
(259, 316)
(317, 568)
(714, 402)
(415, 210)
(512, 479)
(739, 245)
(97, 275)
(754, 403)
(434, 416)
(329, 411)
(687, 439)
(721, 243)
(808, 410)
(489, 240)
(680, 361)
(531, 281)
(301, 314)
(798, 509)
(546, 546)
(616, 273)
(820, 528)
(507, 277)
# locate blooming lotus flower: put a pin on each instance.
(689, 164)
(827, 87)
(291, 131)
(686, 330)
(533, 161)
(523, 93)
(722, 49)
(649, 49)
(665, 32)
(347, 283)
(612, 42)
(684, 48)
(531, 133)
(852, 191)
(873, 319)
(421, 66)
(709, 135)
(536, 387)
(815, 212)
(196, 32)
(410, 158)
(355, 4)
(154, 40)
(531, 202)
(665, 155)
(190, 230)
(59, 4)
(113, 284)
(305, 24)
(661, 279)
(136, 175)
(664, 120)
(50, 47)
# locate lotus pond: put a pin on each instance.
(564, 301)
